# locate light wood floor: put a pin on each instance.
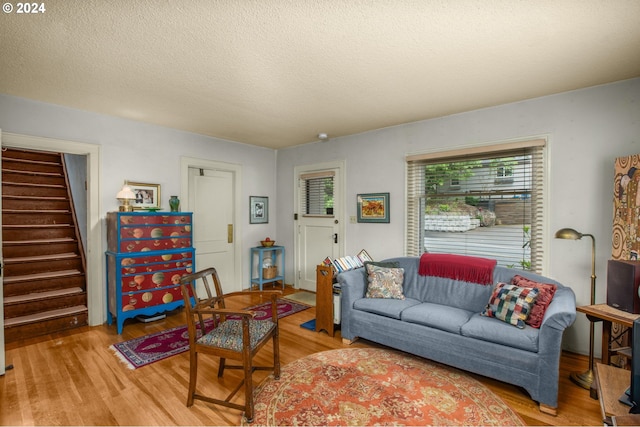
(74, 379)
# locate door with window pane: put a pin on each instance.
(318, 227)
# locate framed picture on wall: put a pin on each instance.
(373, 207)
(258, 210)
(147, 196)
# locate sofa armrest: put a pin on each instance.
(561, 313)
(353, 286)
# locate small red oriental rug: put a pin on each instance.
(150, 348)
(368, 386)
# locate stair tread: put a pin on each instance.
(29, 226)
(66, 255)
(37, 317)
(17, 299)
(35, 211)
(38, 241)
(46, 275)
(23, 172)
(47, 198)
(31, 161)
(32, 184)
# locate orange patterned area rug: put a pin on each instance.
(367, 386)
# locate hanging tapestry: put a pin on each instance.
(626, 209)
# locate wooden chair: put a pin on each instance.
(227, 334)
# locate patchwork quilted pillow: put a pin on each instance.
(511, 304)
(384, 282)
(547, 291)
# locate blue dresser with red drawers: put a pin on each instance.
(148, 253)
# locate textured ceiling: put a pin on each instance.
(275, 73)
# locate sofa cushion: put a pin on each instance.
(493, 330)
(388, 264)
(385, 307)
(438, 290)
(547, 291)
(437, 316)
(511, 303)
(384, 282)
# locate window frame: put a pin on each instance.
(305, 182)
(416, 195)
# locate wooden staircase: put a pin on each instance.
(44, 281)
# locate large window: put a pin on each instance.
(483, 201)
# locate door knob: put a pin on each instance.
(335, 238)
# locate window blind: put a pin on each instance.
(316, 191)
(483, 201)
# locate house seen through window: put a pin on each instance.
(486, 202)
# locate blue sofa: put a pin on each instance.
(440, 319)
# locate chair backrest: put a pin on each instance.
(206, 275)
(197, 297)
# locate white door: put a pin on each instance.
(2, 361)
(320, 230)
(211, 198)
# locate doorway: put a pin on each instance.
(211, 192)
(94, 270)
(320, 213)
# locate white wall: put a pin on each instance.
(587, 129)
(147, 153)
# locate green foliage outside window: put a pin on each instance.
(436, 175)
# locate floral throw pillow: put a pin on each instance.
(511, 304)
(547, 291)
(384, 282)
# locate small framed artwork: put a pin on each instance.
(373, 207)
(147, 196)
(364, 256)
(258, 210)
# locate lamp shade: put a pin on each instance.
(568, 233)
(126, 193)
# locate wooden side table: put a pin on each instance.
(607, 315)
(626, 420)
(612, 383)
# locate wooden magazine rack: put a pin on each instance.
(324, 299)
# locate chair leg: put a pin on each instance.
(248, 388)
(221, 367)
(276, 357)
(193, 376)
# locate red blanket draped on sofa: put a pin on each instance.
(458, 267)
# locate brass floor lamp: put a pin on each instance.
(584, 379)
